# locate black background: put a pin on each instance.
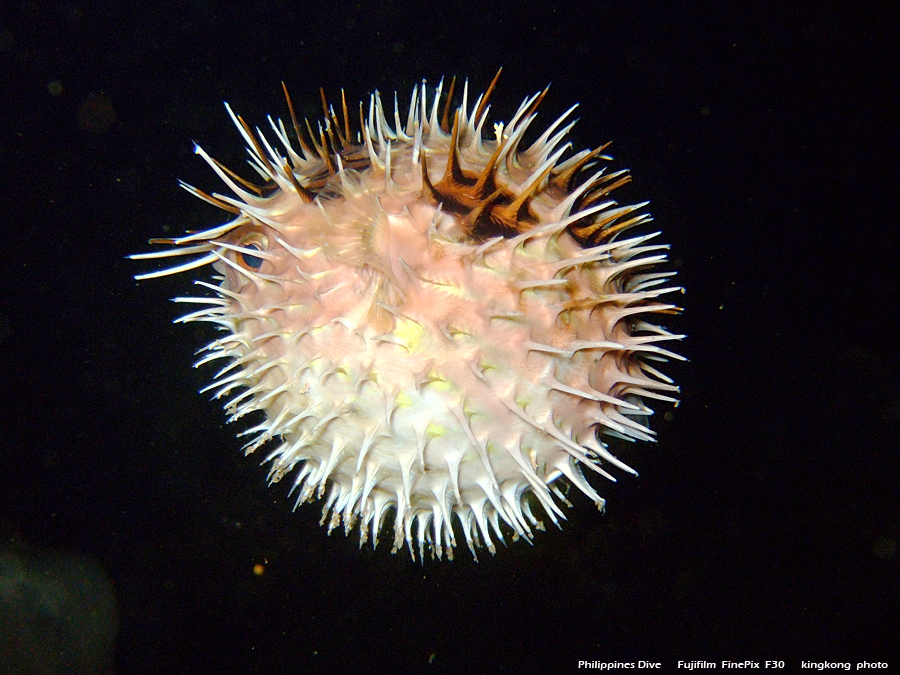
(765, 522)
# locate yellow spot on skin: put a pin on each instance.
(434, 431)
(408, 333)
(437, 381)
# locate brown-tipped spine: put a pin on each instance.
(484, 99)
(446, 116)
(306, 149)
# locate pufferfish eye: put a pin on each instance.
(251, 242)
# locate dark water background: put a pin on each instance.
(765, 522)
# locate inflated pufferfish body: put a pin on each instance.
(434, 323)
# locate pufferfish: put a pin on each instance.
(438, 324)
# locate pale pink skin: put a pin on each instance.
(404, 365)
